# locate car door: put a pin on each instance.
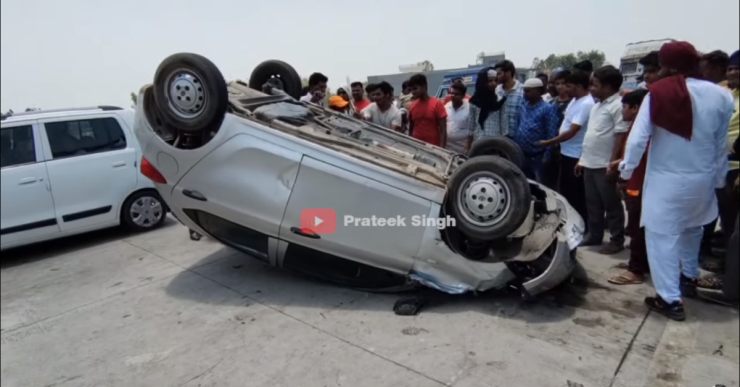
(92, 168)
(238, 192)
(343, 192)
(27, 213)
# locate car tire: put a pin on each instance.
(190, 92)
(288, 78)
(501, 146)
(143, 211)
(489, 198)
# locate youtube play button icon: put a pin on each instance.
(319, 220)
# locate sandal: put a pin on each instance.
(713, 282)
(627, 278)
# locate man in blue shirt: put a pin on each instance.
(538, 121)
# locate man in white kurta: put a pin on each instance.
(680, 182)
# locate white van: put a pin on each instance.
(70, 171)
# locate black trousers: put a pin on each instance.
(551, 169)
(727, 201)
(571, 186)
(638, 262)
(731, 285)
(602, 198)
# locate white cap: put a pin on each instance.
(533, 83)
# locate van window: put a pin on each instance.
(81, 137)
(629, 68)
(445, 89)
(17, 146)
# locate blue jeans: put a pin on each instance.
(533, 167)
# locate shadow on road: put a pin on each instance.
(280, 288)
(49, 249)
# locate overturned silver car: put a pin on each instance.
(304, 188)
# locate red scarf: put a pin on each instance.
(670, 101)
(670, 105)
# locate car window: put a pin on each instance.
(17, 146)
(81, 137)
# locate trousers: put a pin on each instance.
(602, 198)
(670, 256)
(571, 186)
(638, 262)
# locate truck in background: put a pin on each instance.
(629, 63)
(469, 76)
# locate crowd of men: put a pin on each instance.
(668, 150)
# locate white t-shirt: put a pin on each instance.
(577, 113)
(308, 97)
(457, 126)
(604, 122)
(388, 118)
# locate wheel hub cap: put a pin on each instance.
(484, 199)
(186, 94)
(146, 211)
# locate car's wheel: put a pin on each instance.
(144, 210)
(501, 146)
(280, 74)
(489, 198)
(190, 93)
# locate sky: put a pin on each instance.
(74, 53)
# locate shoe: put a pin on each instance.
(688, 286)
(673, 311)
(611, 248)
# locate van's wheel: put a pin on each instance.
(144, 210)
(501, 146)
(279, 75)
(489, 198)
(190, 93)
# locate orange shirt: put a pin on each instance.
(361, 104)
(425, 116)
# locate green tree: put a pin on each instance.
(554, 61)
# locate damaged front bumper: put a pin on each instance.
(545, 259)
(560, 268)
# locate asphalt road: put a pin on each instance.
(157, 309)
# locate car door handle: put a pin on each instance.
(304, 232)
(119, 164)
(28, 180)
(194, 195)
